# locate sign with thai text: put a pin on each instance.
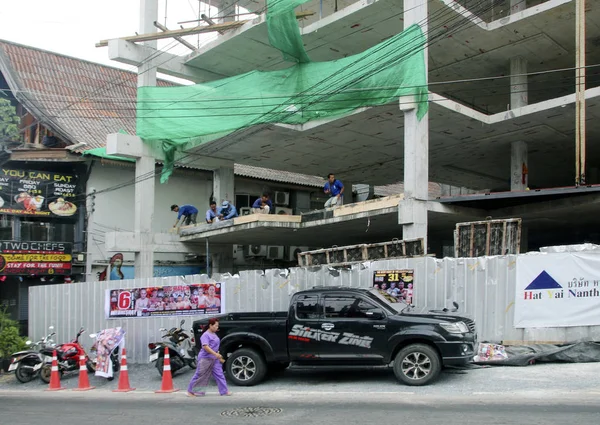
(37, 193)
(557, 290)
(35, 258)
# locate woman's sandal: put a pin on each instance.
(228, 393)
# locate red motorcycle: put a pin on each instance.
(68, 358)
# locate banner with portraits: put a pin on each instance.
(179, 300)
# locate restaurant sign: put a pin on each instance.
(35, 258)
(37, 193)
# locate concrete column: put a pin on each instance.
(519, 172)
(412, 211)
(227, 7)
(518, 167)
(148, 14)
(145, 164)
(517, 6)
(223, 184)
(221, 263)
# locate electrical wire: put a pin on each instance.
(151, 174)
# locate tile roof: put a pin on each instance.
(278, 176)
(80, 100)
(84, 101)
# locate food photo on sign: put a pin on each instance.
(37, 193)
(177, 300)
(395, 285)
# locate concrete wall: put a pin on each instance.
(484, 287)
(113, 211)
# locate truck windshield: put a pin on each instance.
(394, 308)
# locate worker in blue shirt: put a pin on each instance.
(335, 189)
(262, 205)
(188, 212)
(227, 211)
(211, 214)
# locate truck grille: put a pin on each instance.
(470, 324)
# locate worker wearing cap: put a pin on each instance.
(227, 211)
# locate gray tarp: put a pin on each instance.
(523, 355)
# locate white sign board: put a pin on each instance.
(558, 290)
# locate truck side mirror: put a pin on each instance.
(375, 315)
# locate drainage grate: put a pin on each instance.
(251, 412)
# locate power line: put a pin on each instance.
(150, 175)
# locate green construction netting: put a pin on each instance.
(178, 118)
(101, 153)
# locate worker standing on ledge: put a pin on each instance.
(188, 212)
(335, 189)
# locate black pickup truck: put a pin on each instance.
(332, 327)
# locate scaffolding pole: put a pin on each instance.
(580, 143)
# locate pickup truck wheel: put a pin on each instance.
(246, 367)
(417, 364)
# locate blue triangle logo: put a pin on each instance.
(543, 281)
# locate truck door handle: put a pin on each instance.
(327, 326)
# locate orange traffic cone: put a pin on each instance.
(167, 379)
(84, 382)
(54, 376)
(123, 376)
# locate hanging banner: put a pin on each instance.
(37, 193)
(558, 290)
(153, 301)
(35, 258)
(395, 285)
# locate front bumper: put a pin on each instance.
(457, 353)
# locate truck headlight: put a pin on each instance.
(455, 327)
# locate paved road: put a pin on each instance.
(499, 380)
(101, 408)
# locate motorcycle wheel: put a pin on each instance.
(193, 364)
(24, 374)
(90, 366)
(46, 373)
(160, 365)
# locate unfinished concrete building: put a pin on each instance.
(513, 116)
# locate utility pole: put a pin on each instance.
(580, 92)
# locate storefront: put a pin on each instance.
(41, 237)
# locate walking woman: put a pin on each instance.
(209, 362)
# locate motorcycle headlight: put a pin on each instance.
(455, 327)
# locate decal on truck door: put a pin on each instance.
(306, 334)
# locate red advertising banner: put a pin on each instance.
(177, 300)
(35, 258)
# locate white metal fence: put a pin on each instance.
(484, 287)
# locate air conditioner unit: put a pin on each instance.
(294, 250)
(255, 251)
(275, 253)
(283, 211)
(282, 198)
(245, 211)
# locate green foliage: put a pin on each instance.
(10, 341)
(9, 122)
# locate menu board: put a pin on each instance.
(35, 258)
(37, 193)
